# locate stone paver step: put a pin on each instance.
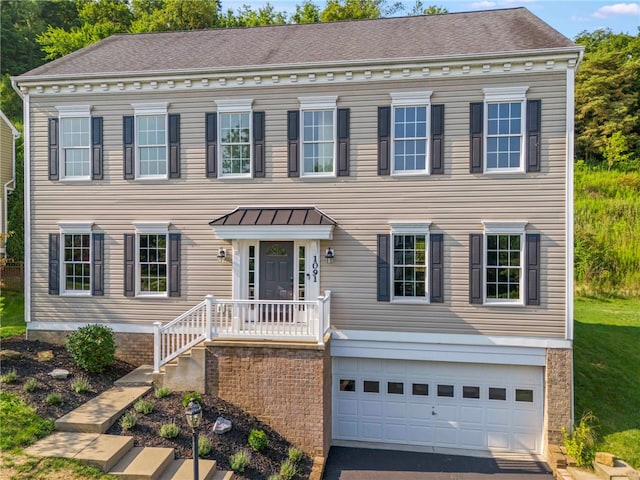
(143, 463)
(99, 413)
(182, 469)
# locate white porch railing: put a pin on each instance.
(242, 319)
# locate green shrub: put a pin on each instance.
(295, 454)
(162, 392)
(30, 385)
(92, 347)
(143, 406)
(54, 398)
(258, 440)
(188, 396)
(239, 461)
(275, 476)
(581, 444)
(169, 430)
(81, 385)
(128, 420)
(204, 446)
(288, 470)
(9, 377)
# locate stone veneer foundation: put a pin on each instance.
(558, 394)
(287, 386)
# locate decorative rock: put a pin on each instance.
(9, 355)
(45, 356)
(222, 425)
(606, 459)
(59, 373)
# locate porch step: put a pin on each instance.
(143, 463)
(182, 469)
(186, 373)
(99, 413)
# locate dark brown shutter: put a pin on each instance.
(211, 135)
(54, 264)
(437, 139)
(384, 272)
(476, 122)
(293, 142)
(532, 262)
(343, 142)
(129, 265)
(97, 264)
(258, 145)
(174, 264)
(384, 140)
(128, 129)
(436, 275)
(174, 145)
(54, 150)
(534, 108)
(96, 148)
(475, 268)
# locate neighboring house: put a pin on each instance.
(8, 136)
(381, 211)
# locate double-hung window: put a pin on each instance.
(75, 136)
(504, 260)
(409, 256)
(410, 132)
(76, 260)
(235, 134)
(318, 126)
(151, 140)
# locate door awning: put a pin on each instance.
(272, 223)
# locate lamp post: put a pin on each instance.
(193, 412)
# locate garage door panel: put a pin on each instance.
(419, 411)
(395, 432)
(497, 417)
(474, 439)
(370, 408)
(524, 419)
(348, 429)
(472, 415)
(446, 435)
(447, 412)
(372, 432)
(395, 410)
(498, 440)
(421, 435)
(347, 406)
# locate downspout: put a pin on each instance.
(26, 118)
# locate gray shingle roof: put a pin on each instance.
(450, 35)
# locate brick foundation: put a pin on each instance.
(558, 397)
(286, 386)
(134, 348)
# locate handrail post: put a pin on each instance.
(327, 325)
(320, 321)
(156, 346)
(207, 333)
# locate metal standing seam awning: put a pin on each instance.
(274, 223)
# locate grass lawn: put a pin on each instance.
(11, 314)
(607, 372)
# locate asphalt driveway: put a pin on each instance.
(346, 463)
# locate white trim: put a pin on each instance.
(326, 102)
(76, 227)
(160, 108)
(9, 186)
(234, 105)
(71, 326)
(410, 99)
(14, 131)
(569, 135)
(492, 226)
(27, 207)
(219, 144)
(151, 227)
(502, 94)
(273, 232)
(71, 111)
(410, 227)
(443, 347)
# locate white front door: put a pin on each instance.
(439, 404)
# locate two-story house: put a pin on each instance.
(367, 223)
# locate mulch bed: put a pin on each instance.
(166, 410)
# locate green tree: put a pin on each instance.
(615, 150)
(308, 12)
(247, 17)
(351, 10)
(165, 15)
(419, 9)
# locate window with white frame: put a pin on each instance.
(75, 141)
(151, 140)
(409, 254)
(152, 259)
(503, 262)
(235, 134)
(76, 258)
(318, 123)
(504, 127)
(410, 132)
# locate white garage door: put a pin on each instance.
(454, 405)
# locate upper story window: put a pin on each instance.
(151, 140)
(318, 135)
(235, 134)
(75, 144)
(410, 132)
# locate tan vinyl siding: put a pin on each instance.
(6, 171)
(363, 204)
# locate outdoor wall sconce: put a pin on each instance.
(329, 255)
(222, 255)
